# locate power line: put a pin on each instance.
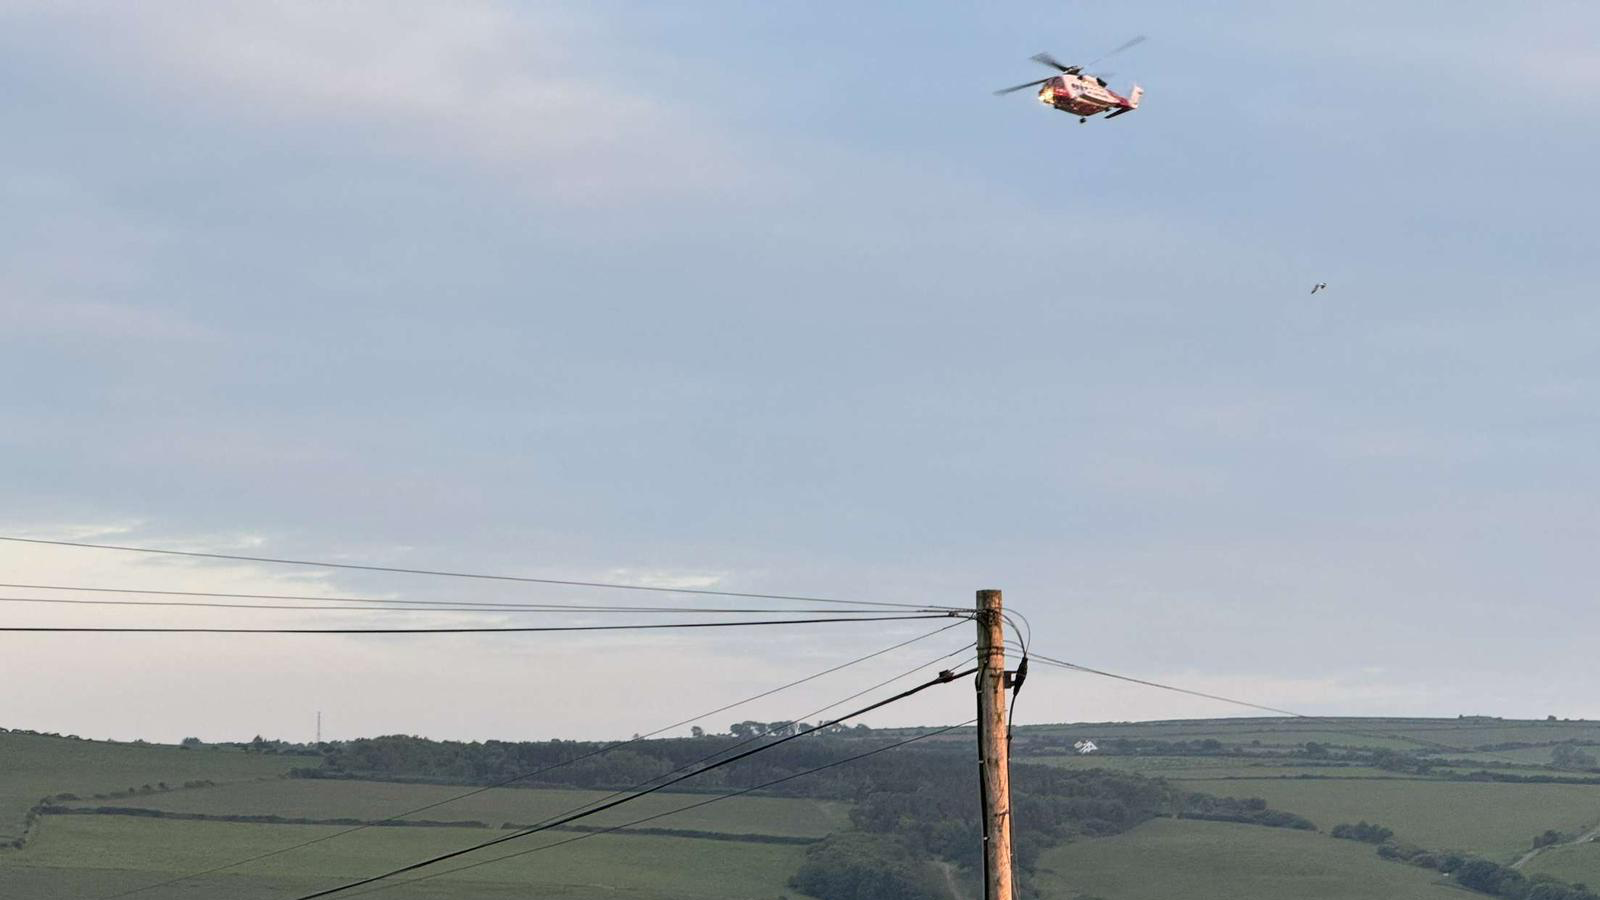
(756, 737)
(112, 629)
(1425, 742)
(509, 604)
(195, 554)
(942, 678)
(522, 776)
(1166, 687)
(427, 607)
(672, 812)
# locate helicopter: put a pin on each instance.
(1080, 93)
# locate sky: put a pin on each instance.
(780, 298)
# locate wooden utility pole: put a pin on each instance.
(994, 760)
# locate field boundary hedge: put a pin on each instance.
(147, 813)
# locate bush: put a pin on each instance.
(1249, 811)
(1567, 756)
(1365, 832)
(856, 866)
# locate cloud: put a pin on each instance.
(661, 579)
(168, 686)
(95, 319)
(486, 83)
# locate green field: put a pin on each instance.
(1201, 767)
(1571, 862)
(1164, 859)
(1465, 734)
(81, 856)
(1534, 756)
(1497, 821)
(35, 766)
(749, 846)
(373, 800)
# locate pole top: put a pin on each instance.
(989, 597)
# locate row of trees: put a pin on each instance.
(908, 818)
(868, 867)
(1481, 875)
(750, 729)
(1245, 810)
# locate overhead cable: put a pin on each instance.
(760, 735)
(1166, 687)
(113, 629)
(522, 776)
(425, 606)
(508, 604)
(942, 678)
(672, 812)
(195, 554)
(1424, 742)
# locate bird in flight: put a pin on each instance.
(1319, 286)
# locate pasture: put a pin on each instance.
(374, 800)
(749, 846)
(1467, 734)
(1496, 821)
(1569, 862)
(33, 766)
(1165, 858)
(75, 854)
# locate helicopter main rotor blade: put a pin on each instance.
(1021, 86)
(1045, 59)
(1134, 42)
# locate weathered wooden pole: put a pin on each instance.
(994, 762)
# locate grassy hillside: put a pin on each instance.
(1573, 862)
(370, 800)
(79, 856)
(1442, 784)
(34, 766)
(1164, 859)
(1496, 821)
(1465, 730)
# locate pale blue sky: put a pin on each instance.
(779, 297)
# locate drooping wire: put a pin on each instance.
(672, 812)
(424, 606)
(1061, 664)
(942, 678)
(521, 579)
(508, 604)
(523, 776)
(1425, 742)
(1024, 633)
(765, 733)
(114, 629)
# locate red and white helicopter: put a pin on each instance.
(1081, 94)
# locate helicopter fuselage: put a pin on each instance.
(1085, 95)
